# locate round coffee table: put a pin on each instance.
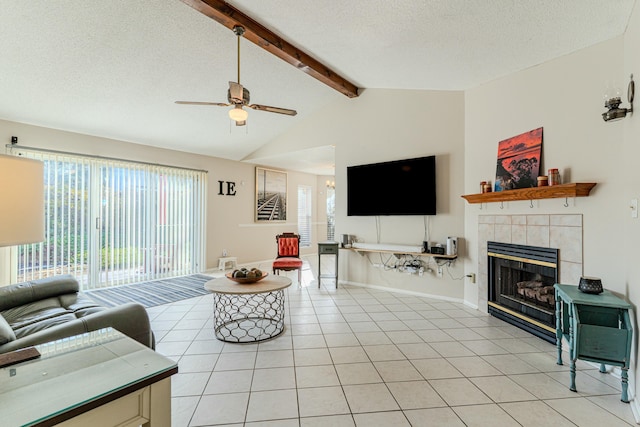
(244, 313)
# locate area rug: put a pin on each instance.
(153, 293)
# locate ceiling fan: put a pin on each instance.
(238, 96)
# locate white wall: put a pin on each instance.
(565, 96)
(630, 189)
(383, 125)
(230, 219)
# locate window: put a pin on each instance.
(304, 215)
(111, 222)
(331, 211)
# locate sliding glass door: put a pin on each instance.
(111, 222)
(65, 249)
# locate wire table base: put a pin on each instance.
(248, 317)
(247, 313)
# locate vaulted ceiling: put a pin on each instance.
(114, 68)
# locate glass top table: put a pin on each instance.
(77, 374)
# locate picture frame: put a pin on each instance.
(518, 164)
(271, 195)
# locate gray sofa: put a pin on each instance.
(49, 309)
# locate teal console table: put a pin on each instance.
(597, 328)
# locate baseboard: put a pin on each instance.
(635, 408)
(616, 371)
(401, 291)
(468, 304)
(264, 265)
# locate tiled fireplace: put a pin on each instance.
(557, 235)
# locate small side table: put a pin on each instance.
(327, 248)
(597, 328)
(252, 312)
(222, 262)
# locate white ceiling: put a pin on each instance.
(114, 68)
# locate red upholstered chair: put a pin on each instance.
(288, 254)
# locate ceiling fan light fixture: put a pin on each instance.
(238, 114)
(238, 96)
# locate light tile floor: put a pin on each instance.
(357, 356)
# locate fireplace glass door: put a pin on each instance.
(527, 288)
(521, 280)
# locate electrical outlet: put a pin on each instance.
(472, 276)
(224, 252)
(440, 271)
(634, 208)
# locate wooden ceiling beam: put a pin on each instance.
(222, 12)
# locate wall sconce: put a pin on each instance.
(331, 184)
(613, 105)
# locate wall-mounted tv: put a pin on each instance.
(400, 187)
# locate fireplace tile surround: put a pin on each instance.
(563, 232)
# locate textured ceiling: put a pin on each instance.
(114, 68)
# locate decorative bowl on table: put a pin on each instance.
(590, 285)
(245, 276)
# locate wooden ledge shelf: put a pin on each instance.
(581, 189)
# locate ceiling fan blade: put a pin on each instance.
(273, 109)
(219, 104)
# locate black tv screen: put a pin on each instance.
(401, 187)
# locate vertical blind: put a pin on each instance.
(110, 222)
(65, 249)
(331, 213)
(304, 215)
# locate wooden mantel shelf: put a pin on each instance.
(581, 189)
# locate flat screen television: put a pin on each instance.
(400, 187)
